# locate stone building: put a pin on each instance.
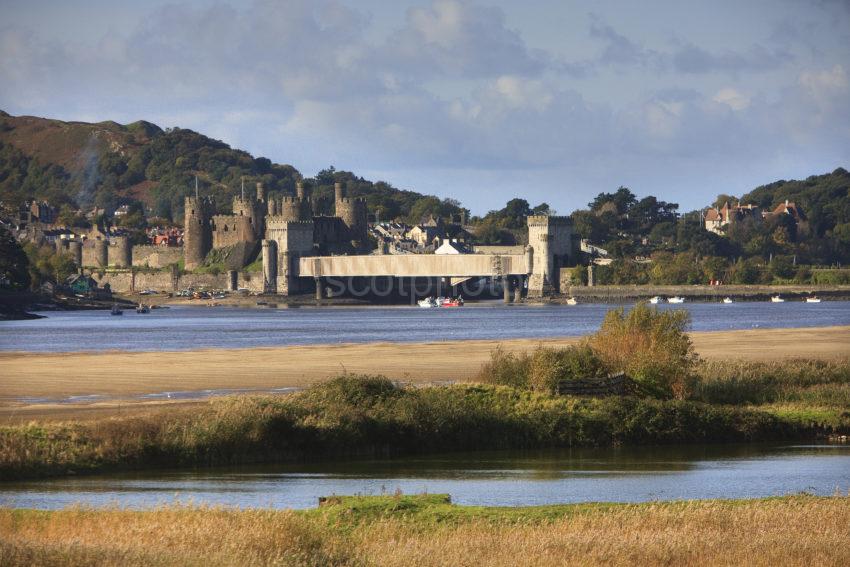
(552, 245)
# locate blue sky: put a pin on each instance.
(553, 100)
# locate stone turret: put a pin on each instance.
(197, 235)
(353, 214)
(120, 253)
(551, 244)
(261, 192)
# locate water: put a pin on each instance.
(184, 328)
(490, 479)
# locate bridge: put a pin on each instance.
(288, 265)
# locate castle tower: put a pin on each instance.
(551, 242)
(76, 249)
(299, 190)
(120, 253)
(353, 214)
(101, 253)
(269, 266)
(261, 192)
(197, 231)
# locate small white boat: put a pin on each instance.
(655, 300)
(813, 300)
(675, 299)
(727, 300)
(572, 301)
(427, 303)
(776, 299)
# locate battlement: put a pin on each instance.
(199, 206)
(282, 222)
(546, 220)
(293, 200)
(351, 200)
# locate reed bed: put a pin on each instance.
(371, 416)
(393, 531)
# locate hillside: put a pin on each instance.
(108, 164)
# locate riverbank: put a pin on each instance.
(428, 530)
(715, 293)
(355, 416)
(40, 386)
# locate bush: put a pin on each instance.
(649, 345)
(505, 368)
(548, 366)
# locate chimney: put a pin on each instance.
(261, 192)
(299, 189)
(339, 191)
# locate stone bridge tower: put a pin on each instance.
(551, 244)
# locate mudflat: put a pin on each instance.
(124, 376)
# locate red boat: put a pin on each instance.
(452, 302)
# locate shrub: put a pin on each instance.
(548, 366)
(505, 368)
(649, 345)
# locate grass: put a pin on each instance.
(370, 416)
(428, 530)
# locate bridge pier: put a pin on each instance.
(520, 280)
(320, 289)
(506, 288)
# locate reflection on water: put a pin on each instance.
(183, 328)
(486, 478)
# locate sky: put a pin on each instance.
(551, 100)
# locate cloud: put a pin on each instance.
(459, 39)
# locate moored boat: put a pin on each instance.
(813, 300)
(675, 299)
(116, 310)
(655, 300)
(572, 301)
(447, 302)
(777, 299)
(727, 300)
(142, 309)
(427, 303)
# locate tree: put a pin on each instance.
(623, 199)
(14, 264)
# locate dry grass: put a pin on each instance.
(786, 531)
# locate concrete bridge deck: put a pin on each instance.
(415, 265)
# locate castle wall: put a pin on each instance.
(95, 253)
(156, 256)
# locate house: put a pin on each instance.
(717, 219)
(81, 284)
(452, 247)
(787, 208)
(424, 235)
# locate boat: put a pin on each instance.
(427, 303)
(727, 300)
(777, 299)
(572, 301)
(675, 299)
(655, 300)
(116, 310)
(143, 309)
(447, 302)
(813, 300)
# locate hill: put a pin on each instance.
(107, 164)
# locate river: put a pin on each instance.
(634, 474)
(186, 328)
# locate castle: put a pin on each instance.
(286, 226)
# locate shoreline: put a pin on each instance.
(123, 376)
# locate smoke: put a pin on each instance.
(89, 175)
